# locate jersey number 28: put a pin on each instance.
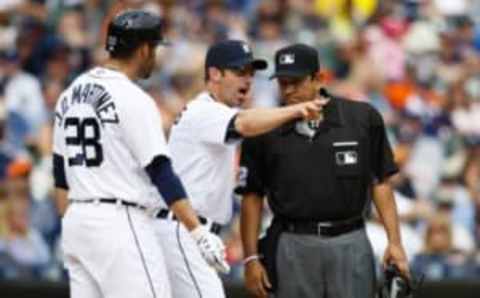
(85, 141)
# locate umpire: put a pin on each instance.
(318, 178)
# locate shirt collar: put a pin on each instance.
(105, 72)
(287, 128)
(204, 95)
(207, 96)
(333, 113)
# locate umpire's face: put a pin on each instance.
(299, 89)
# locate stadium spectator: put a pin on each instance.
(23, 101)
(23, 252)
(440, 260)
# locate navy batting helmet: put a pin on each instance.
(131, 28)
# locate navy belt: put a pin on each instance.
(329, 228)
(213, 226)
(109, 201)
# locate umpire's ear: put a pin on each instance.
(318, 78)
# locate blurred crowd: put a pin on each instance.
(416, 61)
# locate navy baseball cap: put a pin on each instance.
(232, 54)
(298, 60)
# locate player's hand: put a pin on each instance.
(256, 279)
(212, 249)
(310, 110)
(395, 254)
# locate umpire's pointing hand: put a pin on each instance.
(256, 279)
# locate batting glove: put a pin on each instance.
(212, 249)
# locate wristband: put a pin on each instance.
(250, 258)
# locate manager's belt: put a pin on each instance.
(211, 225)
(109, 201)
(329, 228)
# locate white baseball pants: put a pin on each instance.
(111, 251)
(190, 275)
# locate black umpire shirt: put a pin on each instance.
(323, 177)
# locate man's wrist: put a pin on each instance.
(395, 242)
(250, 259)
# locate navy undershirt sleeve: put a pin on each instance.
(59, 172)
(232, 134)
(167, 182)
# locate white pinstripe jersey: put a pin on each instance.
(202, 158)
(108, 130)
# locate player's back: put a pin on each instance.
(99, 125)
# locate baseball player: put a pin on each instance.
(203, 144)
(111, 163)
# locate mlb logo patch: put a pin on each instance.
(344, 158)
(287, 59)
(246, 48)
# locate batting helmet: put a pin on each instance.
(131, 28)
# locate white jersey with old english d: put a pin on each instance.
(108, 130)
(202, 158)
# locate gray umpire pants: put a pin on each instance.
(311, 266)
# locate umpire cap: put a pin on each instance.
(131, 28)
(232, 54)
(298, 60)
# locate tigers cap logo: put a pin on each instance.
(287, 59)
(246, 48)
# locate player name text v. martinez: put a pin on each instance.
(94, 95)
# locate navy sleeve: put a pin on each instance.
(167, 182)
(383, 164)
(59, 177)
(232, 134)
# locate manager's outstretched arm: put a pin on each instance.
(252, 122)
